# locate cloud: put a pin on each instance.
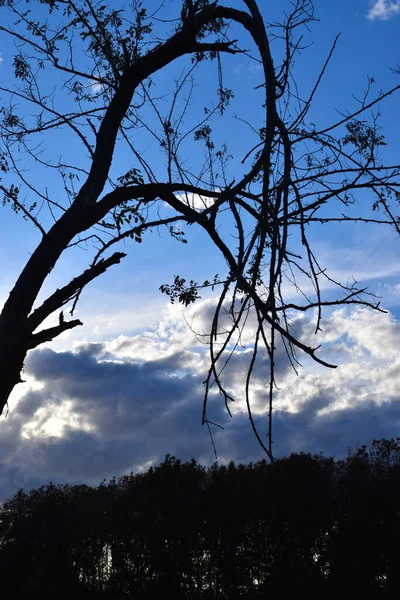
(255, 68)
(196, 201)
(97, 87)
(108, 408)
(1, 58)
(383, 10)
(252, 68)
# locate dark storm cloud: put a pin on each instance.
(136, 413)
(77, 457)
(34, 400)
(128, 413)
(332, 434)
(116, 397)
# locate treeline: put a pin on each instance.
(308, 526)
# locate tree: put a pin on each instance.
(106, 60)
(307, 522)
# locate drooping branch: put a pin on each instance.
(297, 171)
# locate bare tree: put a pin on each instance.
(104, 61)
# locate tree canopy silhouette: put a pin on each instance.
(102, 94)
(305, 524)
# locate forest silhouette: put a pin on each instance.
(306, 525)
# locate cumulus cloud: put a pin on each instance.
(106, 408)
(384, 9)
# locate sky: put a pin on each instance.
(119, 393)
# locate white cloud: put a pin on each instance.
(196, 201)
(97, 87)
(1, 59)
(384, 9)
(254, 68)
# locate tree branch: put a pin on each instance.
(63, 295)
(46, 335)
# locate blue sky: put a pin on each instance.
(120, 392)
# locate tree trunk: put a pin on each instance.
(13, 350)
